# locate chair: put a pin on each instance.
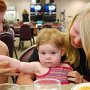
(8, 40)
(25, 35)
(26, 54)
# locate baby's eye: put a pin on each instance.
(42, 52)
(53, 52)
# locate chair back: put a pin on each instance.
(25, 32)
(8, 40)
(27, 53)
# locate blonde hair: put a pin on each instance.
(56, 37)
(3, 6)
(24, 11)
(83, 18)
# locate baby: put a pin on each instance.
(51, 45)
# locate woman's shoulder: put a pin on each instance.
(2, 44)
(3, 48)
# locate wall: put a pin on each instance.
(70, 6)
(20, 5)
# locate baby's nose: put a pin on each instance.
(48, 57)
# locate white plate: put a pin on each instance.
(78, 86)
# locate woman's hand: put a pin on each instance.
(25, 79)
(6, 70)
(75, 77)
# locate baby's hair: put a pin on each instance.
(52, 36)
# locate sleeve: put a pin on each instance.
(87, 78)
(34, 56)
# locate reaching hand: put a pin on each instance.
(6, 70)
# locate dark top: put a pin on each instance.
(82, 67)
(25, 17)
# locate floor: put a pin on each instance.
(16, 44)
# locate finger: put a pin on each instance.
(4, 63)
(73, 74)
(73, 80)
(5, 70)
(76, 79)
(11, 74)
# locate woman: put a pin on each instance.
(3, 48)
(3, 8)
(79, 32)
(25, 16)
(79, 35)
(5, 71)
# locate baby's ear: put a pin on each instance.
(37, 48)
(63, 51)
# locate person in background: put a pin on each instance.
(6, 28)
(79, 34)
(4, 69)
(25, 16)
(51, 45)
(47, 25)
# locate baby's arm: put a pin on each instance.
(24, 67)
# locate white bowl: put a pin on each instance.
(82, 85)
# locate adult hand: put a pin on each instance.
(6, 70)
(75, 77)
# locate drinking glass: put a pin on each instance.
(9, 86)
(26, 87)
(47, 84)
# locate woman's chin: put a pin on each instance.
(76, 45)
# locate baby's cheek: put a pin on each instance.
(41, 58)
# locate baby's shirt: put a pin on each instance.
(59, 72)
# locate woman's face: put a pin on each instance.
(1, 19)
(75, 35)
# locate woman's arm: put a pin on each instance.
(25, 79)
(4, 69)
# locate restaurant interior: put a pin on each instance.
(42, 11)
(57, 12)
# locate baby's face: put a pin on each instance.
(49, 55)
